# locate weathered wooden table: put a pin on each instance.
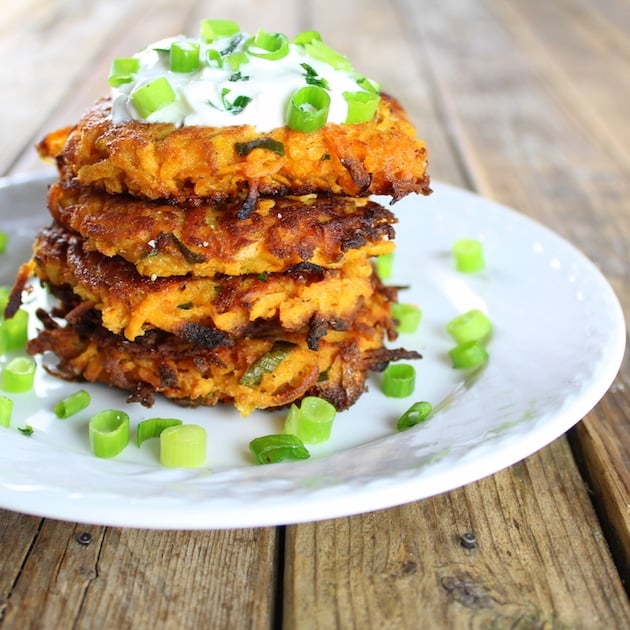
(523, 102)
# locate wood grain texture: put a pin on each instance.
(540, 559)
(523, 102)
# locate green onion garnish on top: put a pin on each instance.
(361, 106)
(399, 380)
(4, 241)
(311, 420)
(267, 45)
(72, 404)
(108, 432)
(184, 56)
(18, 375)
(323, 52)
(472, 325)
(417, 413)
(468, 255)
(212, 30)
(271, 449)
(308, 109)
(153, 96)
(183, 446)
(13, 331)
(306, 37)
(122, 70)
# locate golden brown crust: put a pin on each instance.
(165, 239)
(195, 375)
(131, 304)
(158, 161)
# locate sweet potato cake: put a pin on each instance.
(163, 239)
(213, 230)
(265, 370)
(161, 161)
(131, 304)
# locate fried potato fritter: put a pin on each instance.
(131, 304)
(195, 375)
(159, 161)
(170, 240)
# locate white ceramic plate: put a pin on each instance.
(557, 346)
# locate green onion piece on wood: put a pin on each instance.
(417, 413)
(361, 106)
(108, 432)
(6, 409)
(407, 317)
(183, 446)
(472, 325)
(153, 96)
(312, 420)
(399, 380)
(308, 109)
(18, 375)
(72, 404)
(184, 56)
(153, 427)
(468, 255)
(469, 354)
(271, 449)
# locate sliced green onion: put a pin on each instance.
(367, 84)
(212, 30)
(266, 363)
(269, 144)
(214, 58)
(308, 109)
(153, 427)
(14, 331)
(407, 317)
(472, 325)
(26, 430)
(312, 420)
(306, 37)
(469, 354)
(184, 56)
(183, 446)
(468, 254)
(108, 432)
(417, 413)
(267, 45)
(122, 70)
(318, 50)
(384, 265)
(18, 375)
(72, 404)
(153, 96)
(6, 409)
(4, 241)
(361, 106)
(236, 60)
(399, 380)
(271, 449)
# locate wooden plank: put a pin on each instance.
(540, 560)
(127, 578)
(532, 147)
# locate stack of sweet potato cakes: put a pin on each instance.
(223, 263)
